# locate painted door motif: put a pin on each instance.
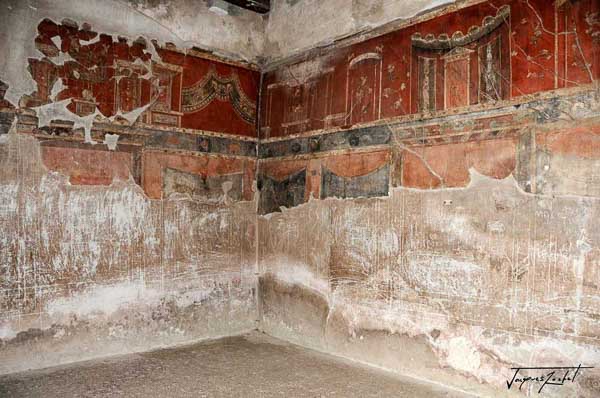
(457, 78)
(363, 101)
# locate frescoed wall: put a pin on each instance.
(100, 72)
(427, 197)
(430, 195)
(482, 54)
(127, 186)
(107, 78)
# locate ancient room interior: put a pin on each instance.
(299, 198)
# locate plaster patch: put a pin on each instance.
(446, 275)
(462, 355)
(104, 300)
(6, 333)
(296, 274)
(110, 140)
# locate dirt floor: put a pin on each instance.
(253, 365)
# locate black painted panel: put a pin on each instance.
(6, 119)
(287, 193)
(259, 6)
(370, 185)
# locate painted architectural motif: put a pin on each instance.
(179, 128)
(97, 72)
(481, 57)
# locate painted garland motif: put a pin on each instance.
(223, 88)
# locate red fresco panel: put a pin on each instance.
(582, 41)
(87, 166)
(218, 114)
(448, 165)
(581, 142)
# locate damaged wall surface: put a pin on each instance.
(319, 23)
(127, 173)
(91, 271)
(482, 258)
(429, 196)
(185, 23)
(454, 285)
(427, 190)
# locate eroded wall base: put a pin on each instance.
(451, 285)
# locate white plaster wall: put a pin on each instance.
(298, 25)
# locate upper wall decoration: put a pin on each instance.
(482, 53)
(298, 105)
(458, 38)
(95, 72)
(222, 88)
(98, 73)
(166, 106)
(459, 70)
(363, 87)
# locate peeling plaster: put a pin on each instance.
(103, 300)
(238, 35)
(110, 140)
(117, 18)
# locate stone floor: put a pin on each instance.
(254, 365)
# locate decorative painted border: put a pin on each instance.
(490, 123)
(142, 136)
(445, 42)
